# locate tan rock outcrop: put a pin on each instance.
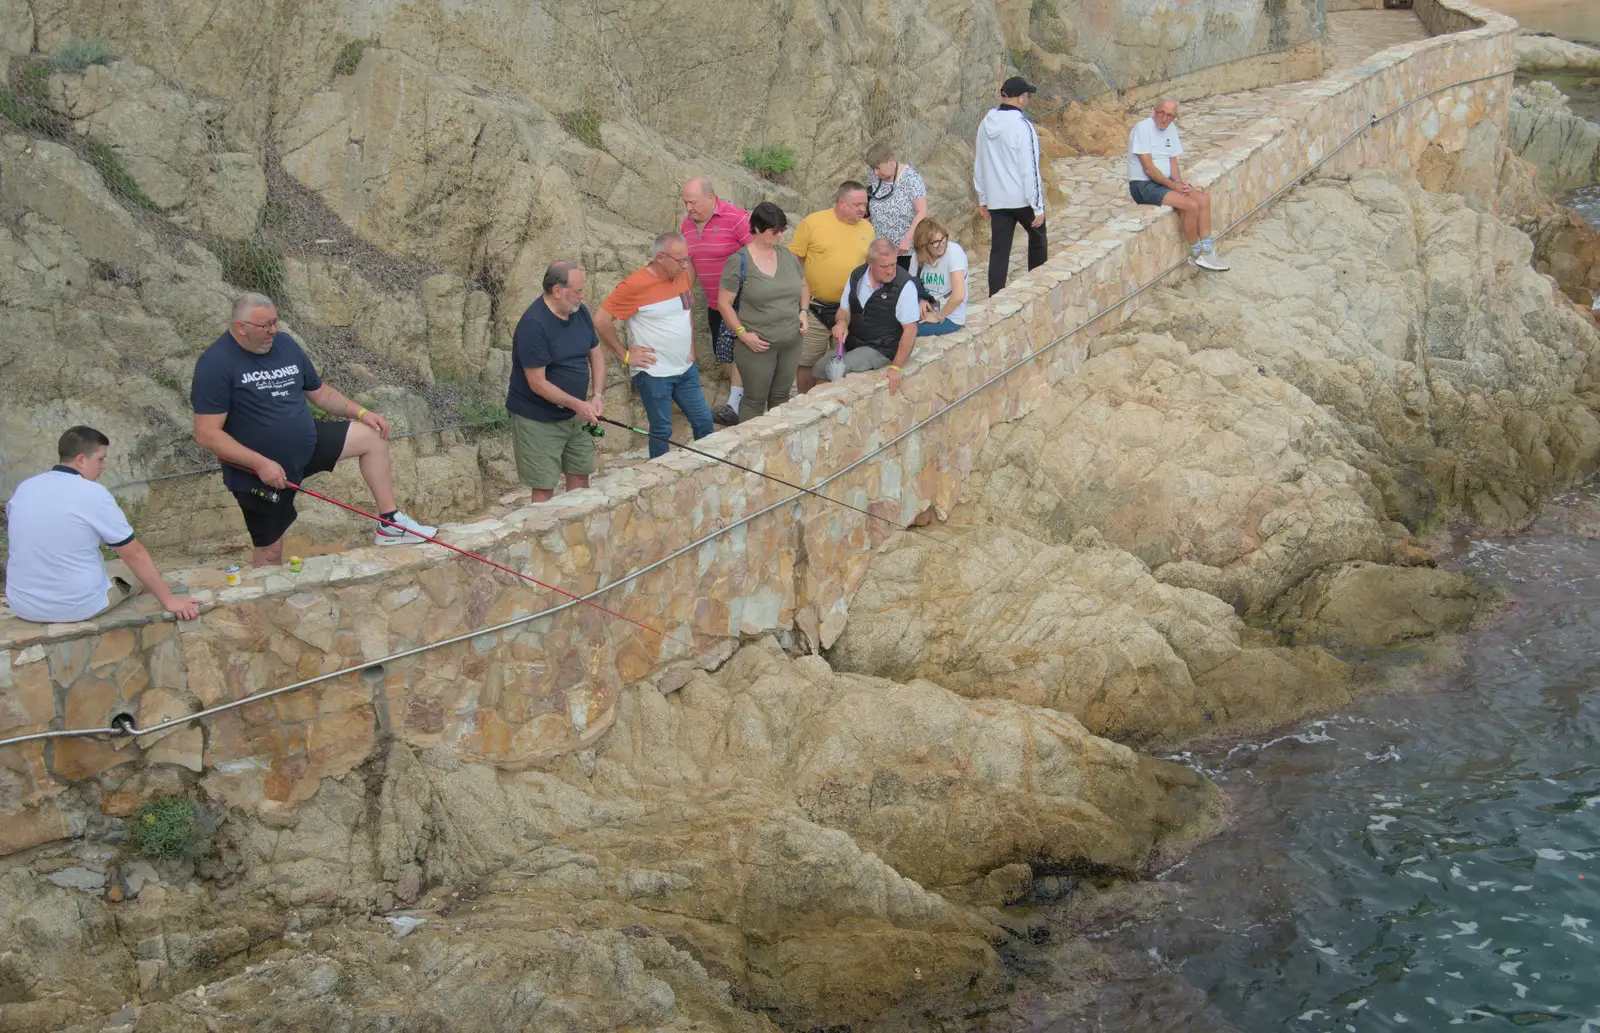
(1080, 628)
(1567, 248)
(1565, 147)
(174, 145)
(1379, 357)
(1553, 54)
(770, 835)
(1367, 604)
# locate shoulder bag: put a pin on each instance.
(722, 346)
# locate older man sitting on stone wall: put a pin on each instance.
(1153, 149)
(878, 315)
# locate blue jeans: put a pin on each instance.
(658, 394)
(943, 326)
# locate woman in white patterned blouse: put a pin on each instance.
(897, 199)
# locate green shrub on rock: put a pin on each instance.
(253, 264)
(168, 827)
(75, 57)
(769, 161)
(116, 177)
(584, 123)
(349, 58)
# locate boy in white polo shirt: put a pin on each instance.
(655, 301)
(56, 522)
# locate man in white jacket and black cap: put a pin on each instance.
(1005, 169)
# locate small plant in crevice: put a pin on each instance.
(24, 102)
(252, 264)
(483, 415)
(584, 123)
(115, 176)
(350, 55)
(75, 57)
(770, 160)
(166, 828)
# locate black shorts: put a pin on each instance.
(1146, 191)
(267, 516)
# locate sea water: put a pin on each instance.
(1427, 859)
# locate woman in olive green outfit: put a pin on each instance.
(771, 315)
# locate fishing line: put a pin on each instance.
(499, 566)
(788, 484)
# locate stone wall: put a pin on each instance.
(699, 551)
(1124, 44)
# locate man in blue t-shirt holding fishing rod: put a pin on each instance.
(251, 395)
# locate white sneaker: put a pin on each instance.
(387, 535)
(1213, 261)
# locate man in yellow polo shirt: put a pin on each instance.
(830, 245)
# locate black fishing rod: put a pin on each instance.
(780, 480)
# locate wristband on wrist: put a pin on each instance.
(625, 353)
(897, 369)
(738, 331)
(361, 412)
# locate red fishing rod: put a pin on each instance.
(498, 566)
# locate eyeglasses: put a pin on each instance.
(941, 242)
(268, 325)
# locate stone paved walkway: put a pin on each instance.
(1096, 186)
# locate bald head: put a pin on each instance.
(699, 200)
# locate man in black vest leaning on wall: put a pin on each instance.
(877, 321)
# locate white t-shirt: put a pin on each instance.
(57, 521)
(1160, 144)
(936, 278)
(906, 309)
(659, 317)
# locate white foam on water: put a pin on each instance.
(1522, 990)
(1571, 922)
(1308, 1016)
(1381, 822)
(1481, 946)
(1356, 1005)
(1421, 875)
(1521, 889)
(1510, 967)
(1400, 1020)
(1550, 855)
(1467, 928)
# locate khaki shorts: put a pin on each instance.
(816, 342)
(124, 586)
(545, 451)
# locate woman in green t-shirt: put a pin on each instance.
(767, 312)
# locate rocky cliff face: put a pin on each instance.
(1381, 362)
(786, 844)
(401, 176)
(1564, 146)
(775, 839)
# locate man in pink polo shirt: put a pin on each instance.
(715, 230)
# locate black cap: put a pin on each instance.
(1016, 86)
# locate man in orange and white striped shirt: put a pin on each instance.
(656, 302)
